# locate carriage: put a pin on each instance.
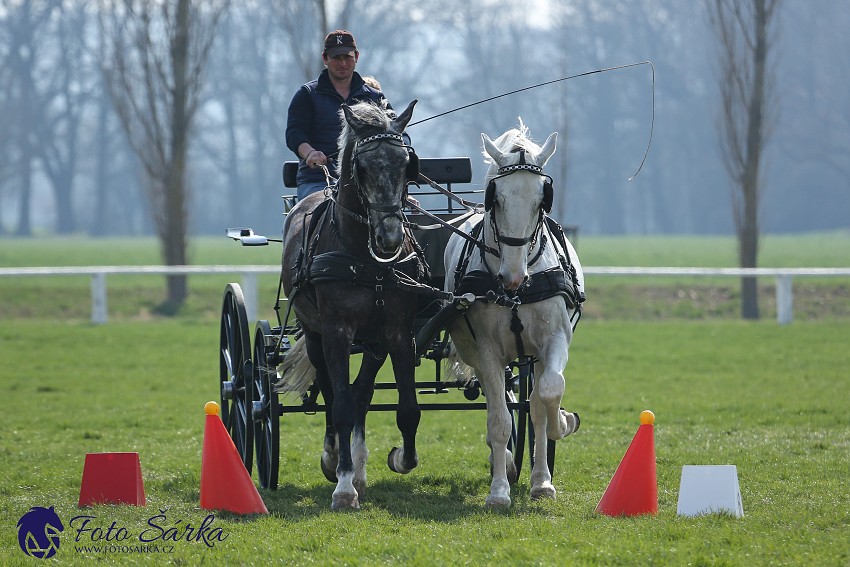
(252, 405)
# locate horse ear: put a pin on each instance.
(400, 123)
(490, 148)
(548, 149)
(354, 122)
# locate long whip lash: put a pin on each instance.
(585, 74)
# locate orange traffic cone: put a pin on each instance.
(112, 478)
(634, 488)
(225, 482)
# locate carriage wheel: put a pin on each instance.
(235, 372)
(264, 407)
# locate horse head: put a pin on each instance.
(518, 195)
(379, 164)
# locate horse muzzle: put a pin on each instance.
(512, 281)
(386, 235)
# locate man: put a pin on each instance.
(313, 123)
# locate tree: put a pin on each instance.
(746, 30)
(23, 106)
(155, 75)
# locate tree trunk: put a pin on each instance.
(749, 237)
(174, 233)
(24, 227)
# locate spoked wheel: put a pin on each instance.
(264, 406)
(235, 372)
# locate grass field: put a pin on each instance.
(771, 400)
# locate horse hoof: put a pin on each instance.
(345, 502)
(544, 491)
(497, 502)
(392, 463)
(570, 421)
(327, 470)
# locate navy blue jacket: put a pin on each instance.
(314, 118)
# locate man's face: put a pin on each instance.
(341, 67)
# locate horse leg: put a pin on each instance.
(330, 447)
(405, 459)
(337, 348)
(550, 422)
(363, 388)
(498, 433)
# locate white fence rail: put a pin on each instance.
(248, 274)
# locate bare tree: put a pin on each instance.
(746, 30)
(23, 34)
(155, 74)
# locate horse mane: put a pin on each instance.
(513, 140)
(368, 113)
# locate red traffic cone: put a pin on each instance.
(225, 482)
(112, 478)
(634, 488)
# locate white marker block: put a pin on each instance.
(706, 489)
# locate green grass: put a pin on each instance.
(771, 400)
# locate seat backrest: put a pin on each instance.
(439, 170)
(447, 169)
(290, 172)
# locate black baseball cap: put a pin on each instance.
(339, 42)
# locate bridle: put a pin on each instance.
(387, 211)
(545, 206)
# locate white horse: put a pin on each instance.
(537, 287)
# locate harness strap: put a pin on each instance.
(517, 328)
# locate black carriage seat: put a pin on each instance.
(442, 170)
(290, 171)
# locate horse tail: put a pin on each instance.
(296, 372)
(455, 369)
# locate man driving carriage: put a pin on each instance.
(313, 123)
